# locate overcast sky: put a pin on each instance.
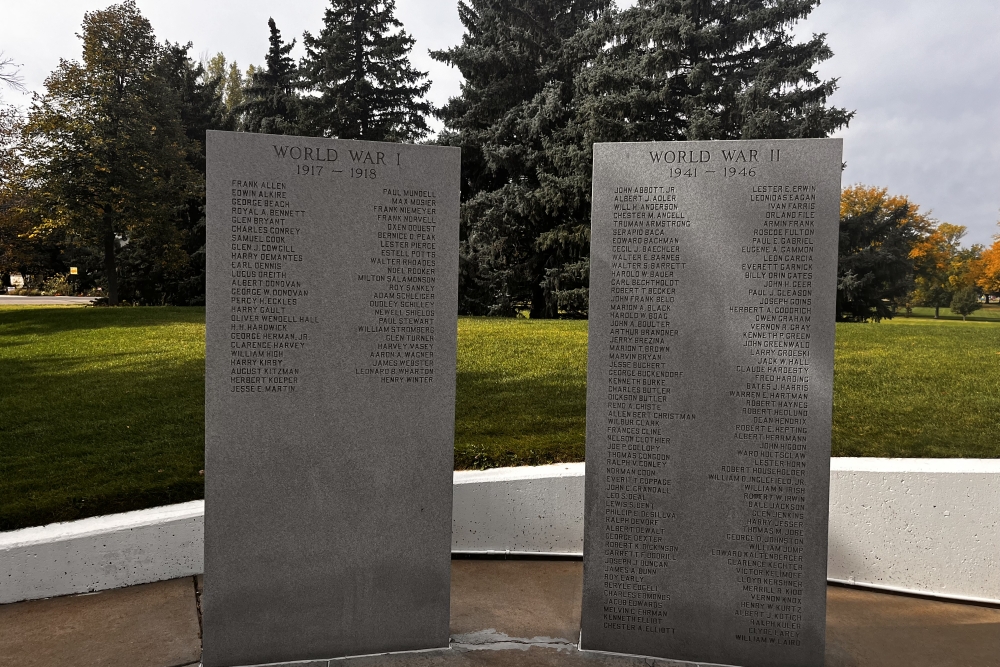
(923, 76)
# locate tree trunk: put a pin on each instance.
(110, 267)
(538, 302)
(540, 308)
(937, 309)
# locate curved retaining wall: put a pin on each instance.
(927, 526)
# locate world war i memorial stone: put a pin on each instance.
(709, 399)
(330, 394)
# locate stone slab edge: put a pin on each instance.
(920, 526)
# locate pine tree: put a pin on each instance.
(525, 214)
(359, 78)
(545, 79)
(705, 69)
(271, 99)
(199, 101)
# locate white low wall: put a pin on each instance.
(526, 510)
(929, 526)
(102, 552)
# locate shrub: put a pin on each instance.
(965, 302)
(57, 285)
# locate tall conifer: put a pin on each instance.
(271, 98)
(709, 69)
(358, 77)
(525, 212)
(545, 79)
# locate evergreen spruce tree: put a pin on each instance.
(965, 302)
(709, 69)
(544, 79)
(358, 77)
(198, 99)
(705, 69)
(525, 212)
(271, 100)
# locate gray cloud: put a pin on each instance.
(923, 76)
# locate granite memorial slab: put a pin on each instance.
(709, 400)
(330, 396)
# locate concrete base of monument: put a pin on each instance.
(504, 613)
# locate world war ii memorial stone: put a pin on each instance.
(709, 400)
(330, 397)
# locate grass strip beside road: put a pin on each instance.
(103, 409)
(988, 313)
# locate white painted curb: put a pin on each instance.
(928, 526)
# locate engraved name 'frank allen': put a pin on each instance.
(330, 354)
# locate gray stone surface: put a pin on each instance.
(330, 392)
(709, 398)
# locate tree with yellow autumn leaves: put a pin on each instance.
(875, 271)
(893, 255)
(985, 271)
(942, 267)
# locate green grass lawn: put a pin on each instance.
(917, 387)
(102, 409)
(522, 392)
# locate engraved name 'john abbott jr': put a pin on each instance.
(709, 397)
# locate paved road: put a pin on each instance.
(9, 300)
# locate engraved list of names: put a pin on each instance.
(330, 393)
(709, 398)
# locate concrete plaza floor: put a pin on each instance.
(504, 612)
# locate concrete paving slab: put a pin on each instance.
(504, 613)
(866, 627)
(152, 625)
(518, 598)
(529, 656)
